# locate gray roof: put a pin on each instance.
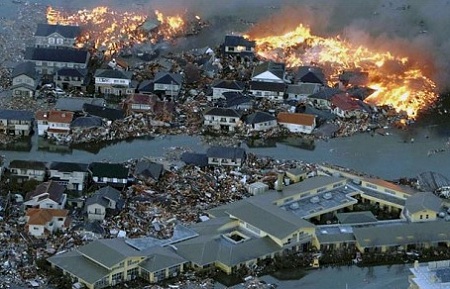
(64, 30)
(228, 84)
(86, 122)
(72, 72)
(223, 112)
(334, 234)
(302, 88)
(356, 217)
(80, 266)
(11, 114)
(75, 104)
(57, 55)
(269, 218)
(423, 201)
(225, 152)
(102, 195)
(161, 258)
(27, 68)
(210, 246)
(113, 73)
(149, 169)
(168, 78)
(275, 68)
(109, 252)
(259, 117)
(68, 167)
(402, 234)
(326, 93)
(310, 74)
(195, 159)
(298, 171)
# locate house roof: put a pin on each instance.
(228, 84)
(54, 190)
(423, 201)
(148, 169)
(402, 234)
(57, 55)
(236, 40)
(146, 86)
(275, 68)
(233, 98)
(356, 217)
(110, 170)
(86, 122)
(225, 152)
(345, 102)
(109, 252)
(43, 216)
(113, 73)
(296, 118)
(137, 98)
(78, 265)
(218, 111)
(168, 78)
(103, 112)
(72, 72)
(27, 68)
(75, 104)
(68, 167)
(12, 114)
(302, 88)
(102, 195)
(326, 93)
(310, 74)
(195, 159)
(55, 116)
(267, 86)
(259, 117)
(22, 164)
(66, 31)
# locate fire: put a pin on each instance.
(110, 31)
(407, 89)
(171, 26)
(102, 28)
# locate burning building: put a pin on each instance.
(396, 80)
(110, 31)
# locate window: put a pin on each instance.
(372, 186)
(426, 216)
(59, 41)
(421, 217)
(98, 211)
(51, 40)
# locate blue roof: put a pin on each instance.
(57, 55)
(11, 114)
(225, 152)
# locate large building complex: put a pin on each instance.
(268, 224)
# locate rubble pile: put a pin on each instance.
(135, 125)
(24, 103)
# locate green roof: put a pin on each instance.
(356, 217)
(78, 265)
(269, 218)
(161, 258)
(402, 234)
(109, 252)
(423, 201)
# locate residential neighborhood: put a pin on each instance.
(221, 211)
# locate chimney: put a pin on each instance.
(279, 182)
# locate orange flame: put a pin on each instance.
(111, 31)
(171, 26)
(407, 89)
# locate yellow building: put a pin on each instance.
(423, 206)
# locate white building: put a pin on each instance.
(53, 123)
(431, 275)
(42, 221)
(297, 122)
(224, 119)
